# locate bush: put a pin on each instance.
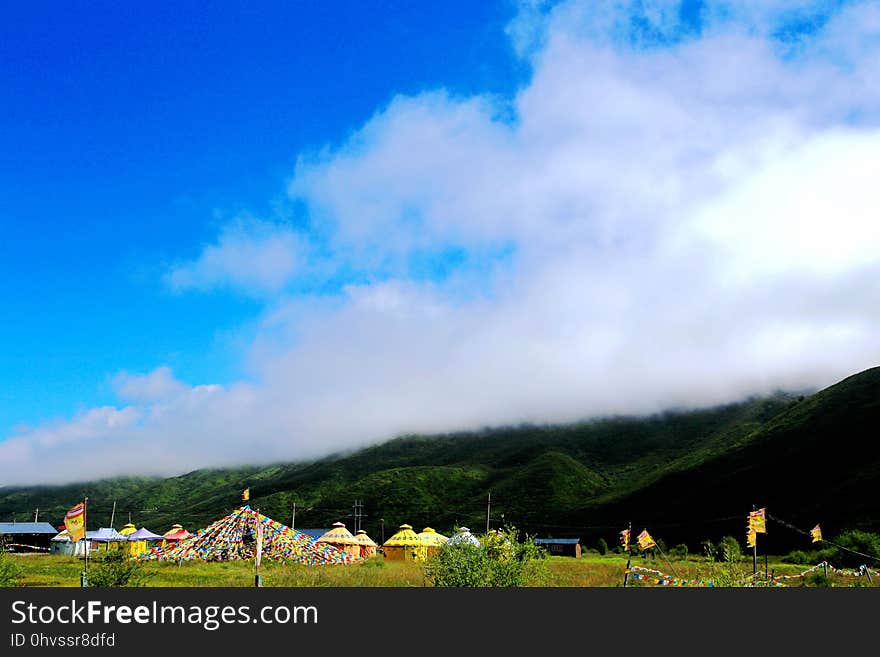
(797, 556)
(10, 571)
(680, 551)
(114, 568)
(729, 549)
(602, 546)
(854, 539)
(501, 561)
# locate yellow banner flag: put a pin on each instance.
(816, 534)
(75, 522)
(624, 539)
(645, 540)
(246, 495)
(751, 538)
(758, 521)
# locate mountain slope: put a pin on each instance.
(689, 475)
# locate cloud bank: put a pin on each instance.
(675, 211)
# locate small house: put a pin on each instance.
(561, 547)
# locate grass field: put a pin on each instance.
(592, 570)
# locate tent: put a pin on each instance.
(432, 541)
(233, 537)
(61, 544)
(464, 536)
(128, 529)
(405, 544)
(137, 541)
(366, 544)
(176, 533)
(342, 539)
(108, 537)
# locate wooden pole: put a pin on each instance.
(85, 575)
(113, 514)
(755, 550)
(626, 572)
(37, 515)
(488, 508)
(293, 517)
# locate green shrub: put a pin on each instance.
(680, 551)
(602, 546)
(10, 571)
(854, 539)
(796, 556)
(729, 549)
(501, 561)
(115, 568)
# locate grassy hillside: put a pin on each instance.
(689, 475)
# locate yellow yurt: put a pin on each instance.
(342, 539)
(432, 541)
(366, 544)
(404, 545)
(130, 547)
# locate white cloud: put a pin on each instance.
(690, 223)
(250, 256)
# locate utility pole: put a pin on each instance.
(382, 528)
(358, 514)
(112, 515)
(37, 515)
(293, 517)
(488, 509)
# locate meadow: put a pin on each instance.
(592, 570)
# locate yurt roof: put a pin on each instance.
(430, 536)
(177, 532)
(338, 535)
(362, 538)
(128, 529)
(464, 536)
(406, 537)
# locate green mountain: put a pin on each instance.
(686, 475)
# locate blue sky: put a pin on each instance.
(129, 134)
(249, 234)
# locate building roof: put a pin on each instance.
(558, 541)
(339, 535)
(27, 528)
(314, 533)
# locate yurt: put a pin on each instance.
(61, 544)
(431, 540)
(367, 545)
(108, 537)
(342, 539)
(141, 541)
(404, 545)
(126, 531)
(174, 535)
(463, 535)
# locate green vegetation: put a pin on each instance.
(686, 475)
(114, 568)
(10, 571)
(503, 560)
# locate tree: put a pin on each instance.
(602, 546)
(116, 569)
(10, 571)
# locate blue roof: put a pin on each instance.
(559, 541)
(27, 528)
(313, 533)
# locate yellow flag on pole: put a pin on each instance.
(75, 522)
(624, 539)
(246, 495)
(751, 538)
(816, 534)
(645, 540)
(758, 521)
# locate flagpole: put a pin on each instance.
(628, 556)
(85, 575)
(755, 549)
